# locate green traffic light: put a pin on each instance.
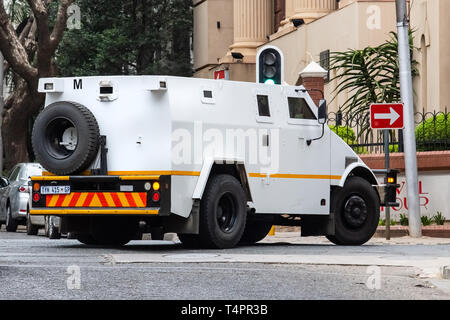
(269, 81)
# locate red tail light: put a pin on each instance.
(36, 197)
(23, 189)
(156, 197)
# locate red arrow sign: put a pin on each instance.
(386, 116)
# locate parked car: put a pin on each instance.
(14, 208)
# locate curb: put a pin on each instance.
(403, 231)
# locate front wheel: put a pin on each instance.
(222, 213)
(357, 212)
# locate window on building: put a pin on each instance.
(263, 106)
(325, 63)
(299, 109)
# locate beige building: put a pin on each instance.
(307, 30)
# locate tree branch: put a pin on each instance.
(41, 15)
(60, 24)
(13, 50)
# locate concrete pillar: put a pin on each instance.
(308, 10)
(253, 22)
(313, 79)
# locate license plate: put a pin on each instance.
(55, 190)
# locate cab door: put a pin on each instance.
(305, 162)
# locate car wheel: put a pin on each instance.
(255, 231)
(11, 224)
(357, 212)
(32, 230)
(222, 213)
(53, 230)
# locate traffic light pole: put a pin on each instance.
(404, 52)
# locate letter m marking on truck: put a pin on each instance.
(77, 84)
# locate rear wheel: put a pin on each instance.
(222, 213)
(357, 212)
(86, 239)
(114, 232)
(32, 230)
(190, 240)
(255, 231)
(11, 224)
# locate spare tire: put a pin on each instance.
(65, 138)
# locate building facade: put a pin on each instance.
(308, 30)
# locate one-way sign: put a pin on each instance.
(386, 116)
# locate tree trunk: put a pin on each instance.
(15, 122)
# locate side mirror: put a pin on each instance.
(322, 112)
(5, 181)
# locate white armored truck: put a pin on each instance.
(217, 162)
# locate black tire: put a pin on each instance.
(255, 231)
(11, 224)
(53, 230)
(190, 241)
(223, 213)
(51, 124)
(32, 230)
(86, 239)
(114, 231)
(357, 213)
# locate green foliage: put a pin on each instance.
(431, 131)
(426, 221)
(129, 38)
(404, 221)
(439, 219)
(370, 75)
(382, 222)
(348, 135)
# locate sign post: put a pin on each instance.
(387, 117)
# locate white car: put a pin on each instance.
(14, 202)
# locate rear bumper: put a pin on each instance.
(113, 195)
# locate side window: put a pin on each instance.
(263, 106)
(299, 109)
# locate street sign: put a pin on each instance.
(387, 116)
(221, 75)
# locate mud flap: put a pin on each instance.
(313, 226)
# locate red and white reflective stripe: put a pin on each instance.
(98, 200)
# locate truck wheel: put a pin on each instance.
(32, 230)
(11, 224)
(222, 213)
(191, 241)
(255, 231)
(357, 212)
(86, 239)
(65, 138)
(113, 232)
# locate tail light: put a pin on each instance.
(23, 189)
(36, 197)
(156, 197)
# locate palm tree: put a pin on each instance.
(370, 75)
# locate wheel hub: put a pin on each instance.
(355, 212)
(226, 213)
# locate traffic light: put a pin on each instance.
(270, 65)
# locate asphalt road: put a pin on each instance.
(39, 268)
